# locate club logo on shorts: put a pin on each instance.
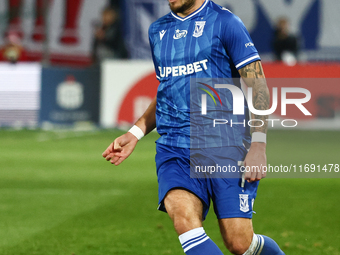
(180, 34)
(244, 205)
(199, 27)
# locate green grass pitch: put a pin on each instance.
(58, 196)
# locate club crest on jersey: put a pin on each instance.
(244, 204)
(180, 34)
(199, 27)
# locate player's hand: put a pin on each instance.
(255, 162)
(120, 149)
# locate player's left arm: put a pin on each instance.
(253, 76)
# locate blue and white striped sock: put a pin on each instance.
(196, 242)
(263, 245)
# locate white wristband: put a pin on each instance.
(137, 132)
(259, 137)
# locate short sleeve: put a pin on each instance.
(238, 42)
(152, 52)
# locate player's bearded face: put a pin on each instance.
(181, 6)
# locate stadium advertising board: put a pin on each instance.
(69, 96)
(128, 88)
(19, 94)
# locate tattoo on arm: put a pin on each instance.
(253, 76)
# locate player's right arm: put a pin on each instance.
(123, 146)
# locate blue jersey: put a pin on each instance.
(210, 43)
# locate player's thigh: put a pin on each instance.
(180, 200)
(237, 233)
(182, 193)
(185, 209)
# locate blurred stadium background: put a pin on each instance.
(59, 109)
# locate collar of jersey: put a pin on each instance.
(192, 14)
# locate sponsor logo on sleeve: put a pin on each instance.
(250, 44)
(225, 9)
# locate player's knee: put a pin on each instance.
(185, 210)
(184, 218)
(237, 246)
(183, 223)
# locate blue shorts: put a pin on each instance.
(230, 200)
